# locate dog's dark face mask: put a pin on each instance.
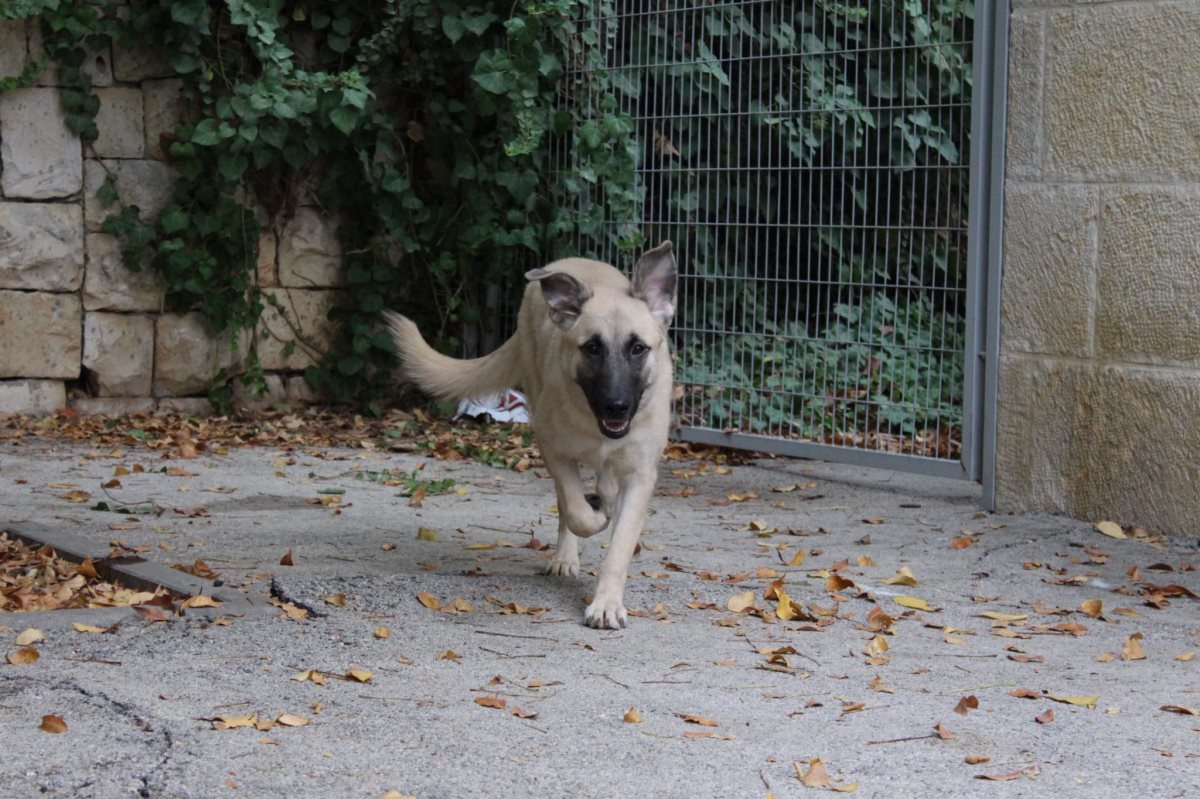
(612, 376)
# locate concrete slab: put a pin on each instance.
(148, 691)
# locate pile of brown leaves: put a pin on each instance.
(38, 579)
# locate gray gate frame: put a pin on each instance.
(985, 229)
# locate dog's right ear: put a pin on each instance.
(564, 295)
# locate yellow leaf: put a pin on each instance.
(87, 628)
(234, 722)
(53, 724)
(382, 632)
(360, 675)
(288, 720)
(200, 601)
(632, 716)
(692, 718)
(1092, 608)
(995, 616)
(1080, 701)
(23, 657)
(449, 654)
(797, 558)
(491, 701)
(480, 546)
(865, 561)
(1182, 709)
(1133, 648)
(426, 534)
(1110, 529)
(903, 576)
(429, 600)
(916, 603)
(877, 646)
(396, 795)
(739, 602)
(337, 600)
(1186, 656)
(30, 636)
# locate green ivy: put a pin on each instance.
(423, 127)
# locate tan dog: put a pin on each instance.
(591, 353)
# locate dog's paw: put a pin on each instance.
(565, 567)
(606, 613)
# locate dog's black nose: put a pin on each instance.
(616, 408)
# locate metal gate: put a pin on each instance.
(823, 168)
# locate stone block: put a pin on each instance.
(188, 353)
(300, 393)
(139, 63)
(144, 183)
(40, 335)
(1026, 45)
(40, 159)
(268, 266)
(13, 53)
(110, 285)
(41, 246)
(1120, 92)
(118, 354)
(299, 315)
(1049, 269)
(185, 406)
(1100, 442)
(32, 396)
(310, 255)
(164, 108)
(113, 406)
(245, 399)
(1149, 276)
(121, 124)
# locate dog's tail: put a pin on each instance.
(452, 378)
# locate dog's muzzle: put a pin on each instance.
(614, 428)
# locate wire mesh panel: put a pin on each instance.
(810, 161)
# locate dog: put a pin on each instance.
(592, 355)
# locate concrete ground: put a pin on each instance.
(508, 695)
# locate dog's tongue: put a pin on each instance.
(615, 427)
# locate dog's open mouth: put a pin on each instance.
(614, 428)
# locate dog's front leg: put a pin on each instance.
(608, 606)
(576, 515)
(566, 554)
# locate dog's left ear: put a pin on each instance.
(564, 295)
(654, 281)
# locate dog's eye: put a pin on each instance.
(592, 347)
(638, 348)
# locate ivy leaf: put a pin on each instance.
(493, 72)
(344, 118)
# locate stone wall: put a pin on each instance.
(1100, 320)
(79, 328)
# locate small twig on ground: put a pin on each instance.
(508, 656)
(515, 635)
(903, 740)
(610, 679)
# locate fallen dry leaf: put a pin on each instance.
(1045, 718)
(288, 720)
(1110, 529)
(915, 603)
(23, 657)
(337, 600)
(740, 602)
(632, 716)
(200, 601)
(524, 714)
(1079, 701)
(29, 636)
(692, 718)
(903, 576)
(1133, 648)
(382, 632)
(87, 628)
(53, 724)
(942, 732)
(966, 704)
(1181, 709)
(359, 675)
(975, 760)
(429, 600)
(491, 701)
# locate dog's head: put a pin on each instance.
(617, 336)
